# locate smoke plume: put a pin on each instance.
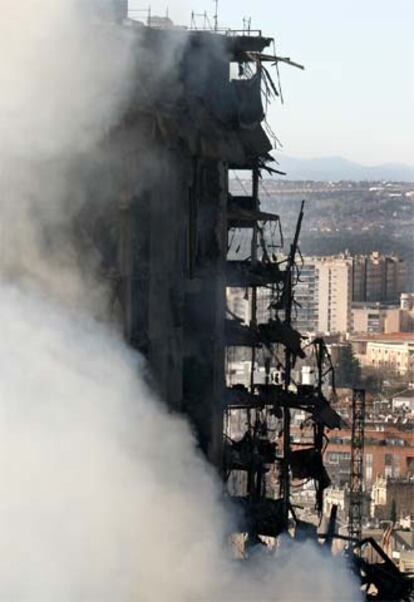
(103, 495)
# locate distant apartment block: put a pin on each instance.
(340, 294)
(378, 278)
(378, 318)
(334, 293)
(323, 296)
(353, 293)
(375, 318)
(389, 452)
(306, 312)
(407, 312)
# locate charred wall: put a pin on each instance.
(163, 230)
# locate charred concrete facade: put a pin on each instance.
(163, 235)
(187, 123)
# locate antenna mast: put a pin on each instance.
(216, 15)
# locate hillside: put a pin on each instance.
(359, 217)
(337, 168)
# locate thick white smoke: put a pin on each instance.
(63, 82)
(103, 496)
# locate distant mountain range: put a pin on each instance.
(338, 168)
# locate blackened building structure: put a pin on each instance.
(163, 238)
(186, 125)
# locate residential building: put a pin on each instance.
(394, 351)
(395, 354)
(340, 294)
(407, 301)
(306, 312)
(375, 318)
(392, 496)
(384, 318)
(407, 312)
(334, 288)
(378, 278)
(388, 451)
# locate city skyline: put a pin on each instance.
(355, 96)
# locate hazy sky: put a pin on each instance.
(356, 97)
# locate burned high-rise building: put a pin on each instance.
(162, 220)
(195, 112)
(187, 123)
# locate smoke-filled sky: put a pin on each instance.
(356, 96)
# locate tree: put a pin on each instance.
(347, 368)
(372, 380)
(384, 381)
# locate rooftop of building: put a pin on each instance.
(239, 45)
(186, 86)
(393, 337)
(375, 305)
(347, 255)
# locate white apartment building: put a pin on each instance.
(323, 295)
(334, 293)
(305, 313)
(327, 297)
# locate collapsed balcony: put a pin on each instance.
(274, 396)
(243, 274)
(249, 452)
(242, 213)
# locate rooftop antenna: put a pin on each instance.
(216, 15)
(247, 23)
